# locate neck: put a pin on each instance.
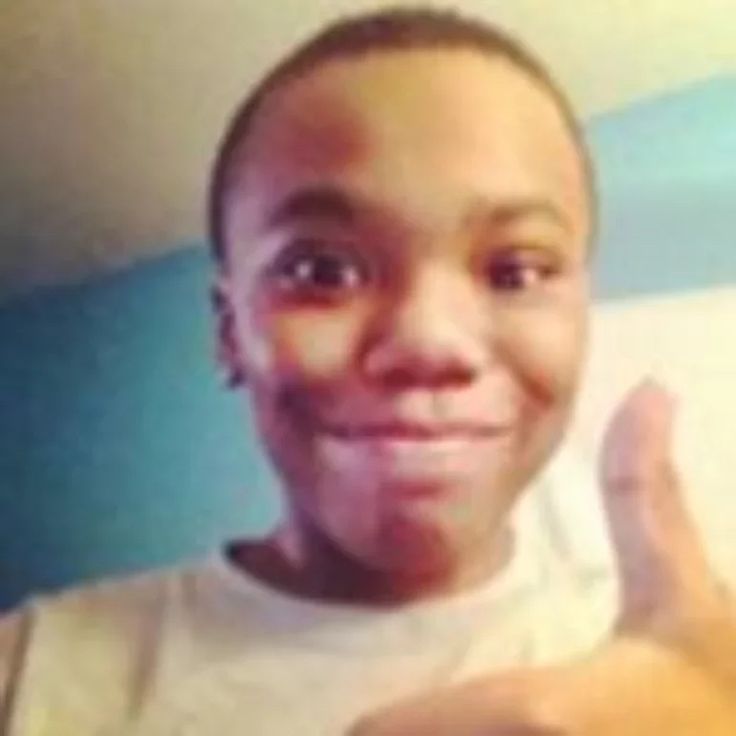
(303, 562)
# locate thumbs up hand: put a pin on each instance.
(669, 666)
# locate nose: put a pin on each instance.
(429, 336)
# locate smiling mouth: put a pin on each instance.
(424, 456)
(418, 463)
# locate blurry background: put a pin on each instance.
(119, 448)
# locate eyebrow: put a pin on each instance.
(318, 202)
(327, 202)
(509, 212)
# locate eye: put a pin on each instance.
(312, 267)
(519, 270)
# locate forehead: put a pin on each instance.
(453, 117)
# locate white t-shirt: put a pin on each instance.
(207, 649)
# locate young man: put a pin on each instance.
(401, 216)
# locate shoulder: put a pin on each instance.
(56, 650)
(92, 608)
(84, 618)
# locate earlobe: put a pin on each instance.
(228, 355)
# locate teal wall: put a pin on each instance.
(668, 191)
(119, 448)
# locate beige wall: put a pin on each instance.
(111, 108)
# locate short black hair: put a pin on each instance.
(385, 30)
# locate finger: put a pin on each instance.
(519, 703)
(660, 558)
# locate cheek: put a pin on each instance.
(546, 350)
(303, 345)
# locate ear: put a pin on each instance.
(227, 350)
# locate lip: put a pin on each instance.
(417, 459)
(419, 432)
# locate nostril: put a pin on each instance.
(407, 365)
(431, 376)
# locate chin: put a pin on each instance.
(410, 551)
(422, 537)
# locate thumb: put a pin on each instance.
(659, 555)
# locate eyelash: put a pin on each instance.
(295, 270)
(512, 270)
(519, 271)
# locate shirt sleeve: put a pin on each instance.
(14, 634)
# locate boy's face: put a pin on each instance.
(406, 296)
